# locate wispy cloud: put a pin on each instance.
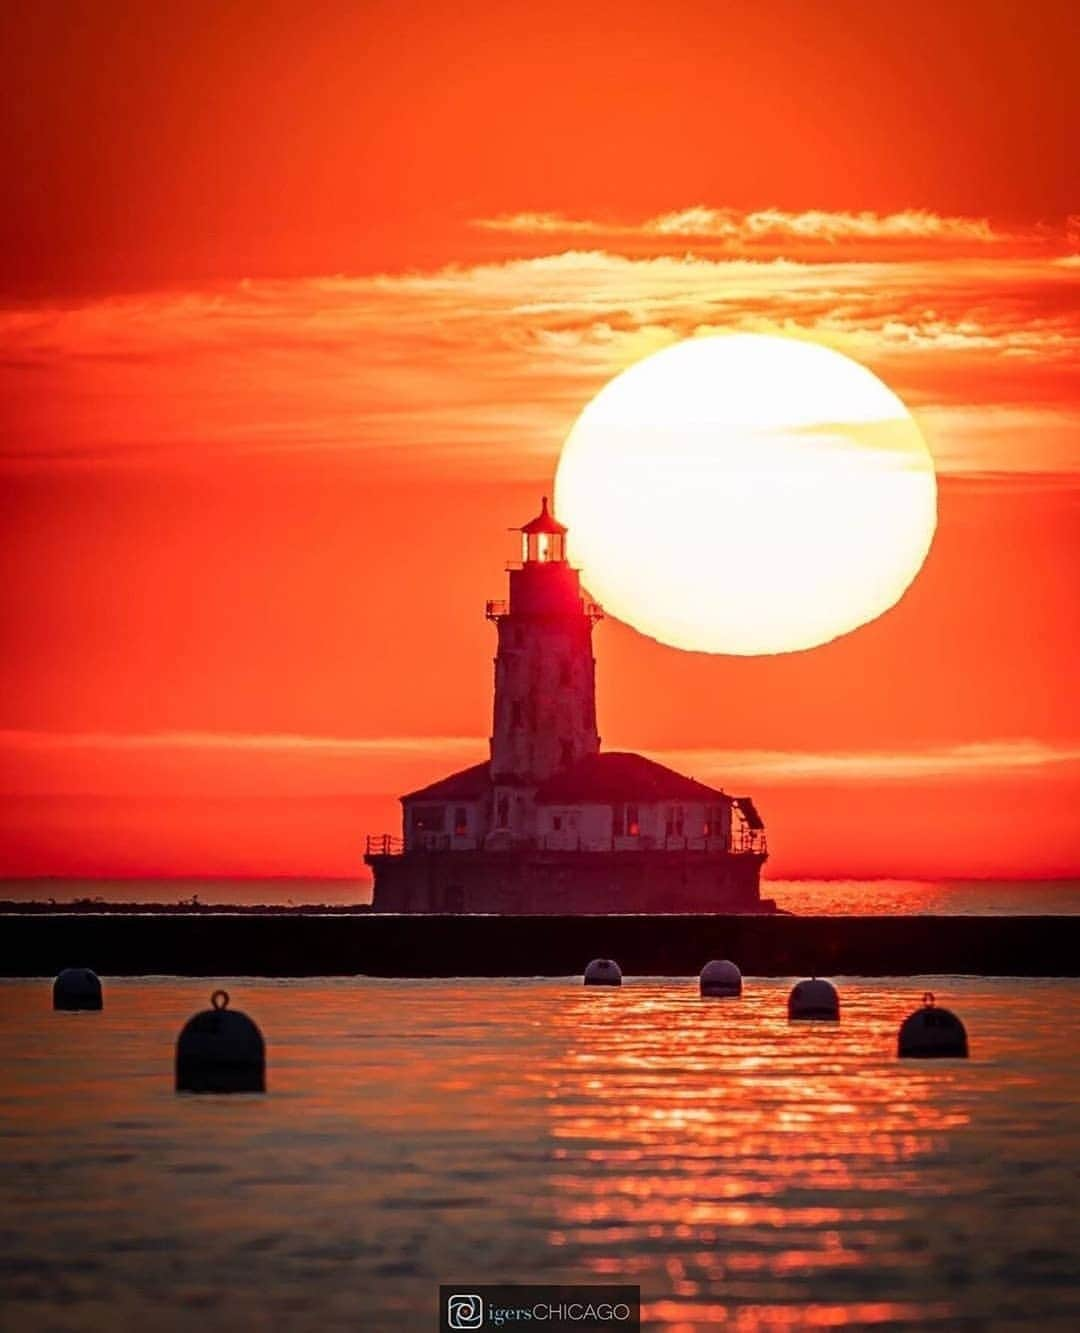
(489, 364)
(77, 761)
(273, 742)
(985, 759)
(207, 763)
(785, 231)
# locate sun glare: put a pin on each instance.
(747, 494)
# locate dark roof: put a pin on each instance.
(543, 522)
(615, 776)
(468, 785)
(750, 812)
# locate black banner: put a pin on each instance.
(547, 1309)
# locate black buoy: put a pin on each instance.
(720, 979)
(603, 972)
(220, 1050)
(931, 1032)
(77, 988)
(814, 998)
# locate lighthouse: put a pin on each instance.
(544, 714)
(550, 823)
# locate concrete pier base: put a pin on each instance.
(568, 883)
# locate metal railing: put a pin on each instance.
(497, 608)
(741, 842)
(383, 844)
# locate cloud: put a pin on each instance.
(781, 231)
(285, 743)
(985, 759)
(35, 762)
(488, 364)
(186, 764)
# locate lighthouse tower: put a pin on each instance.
(550, 823)
(545, 673)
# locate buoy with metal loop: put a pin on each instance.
(720, 979)
(603, 972)
(77, 988)
(220, 1050)
(932, 1032)
(814, 998)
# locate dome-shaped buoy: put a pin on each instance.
(814, 998)
(930, 1032)
(77, 988)
(220, 1050)
(721, 978)
(603, 972)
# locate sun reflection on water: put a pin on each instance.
(754, 1157)
(741, 1169)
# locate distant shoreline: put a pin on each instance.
(99, 906)
(291, 896)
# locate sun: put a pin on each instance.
(747, 494)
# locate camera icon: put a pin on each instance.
(464, 1311)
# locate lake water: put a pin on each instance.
(908, 897)
(741, 1169)
(829, 897)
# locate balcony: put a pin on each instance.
(742, 841)
(383, 844)
(495, 610)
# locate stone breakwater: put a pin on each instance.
(314, 944)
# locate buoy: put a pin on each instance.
(603, 972)
(220, 1050)
(815, 998)
(721, 978)
(932, 1032)
(77, 988)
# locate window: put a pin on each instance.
(674, 822)
(502, 815)
(556, 823)
(714, 821)
(429, 818)
(567, 752)
(625, 822)
(516, 714)
(461, 822)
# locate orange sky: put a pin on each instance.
(298, 308)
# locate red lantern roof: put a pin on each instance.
(543, 522)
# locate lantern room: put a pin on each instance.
(543, 541)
